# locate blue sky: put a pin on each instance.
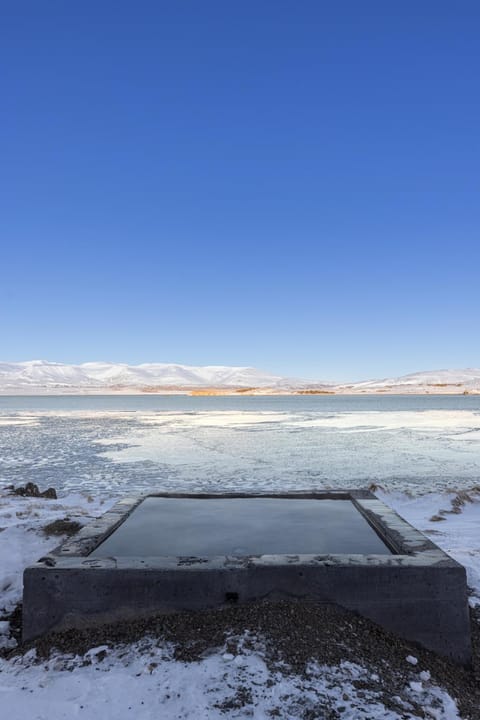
(289, 185)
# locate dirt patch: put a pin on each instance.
(64, 526)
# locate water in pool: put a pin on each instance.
(241, 526)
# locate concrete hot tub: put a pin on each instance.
(166, 553)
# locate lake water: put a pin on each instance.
(125, 444)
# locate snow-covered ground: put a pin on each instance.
(143, 681)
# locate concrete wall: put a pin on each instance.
(425, 605)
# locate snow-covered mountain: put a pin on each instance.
(39, 377)
(467, 380)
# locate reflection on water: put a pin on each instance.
(242, 526)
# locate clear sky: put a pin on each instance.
(290, 185)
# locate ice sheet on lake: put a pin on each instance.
(125, 452)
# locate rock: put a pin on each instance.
(50, 493)
(373, 487)
(31, 490)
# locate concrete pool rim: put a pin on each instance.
(397, 534)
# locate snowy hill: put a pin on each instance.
(40, 376)
(467, 380)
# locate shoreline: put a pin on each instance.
(241, 392)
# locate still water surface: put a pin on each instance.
(241, 526)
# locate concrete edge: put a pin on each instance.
(409, 546)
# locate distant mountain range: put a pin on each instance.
(39, 377)
(429, 381)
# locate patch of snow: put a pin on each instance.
(143, 681)
(416, 686)
(22, 540)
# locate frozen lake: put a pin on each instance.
(123, 444)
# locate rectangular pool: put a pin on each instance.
(207, 527)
